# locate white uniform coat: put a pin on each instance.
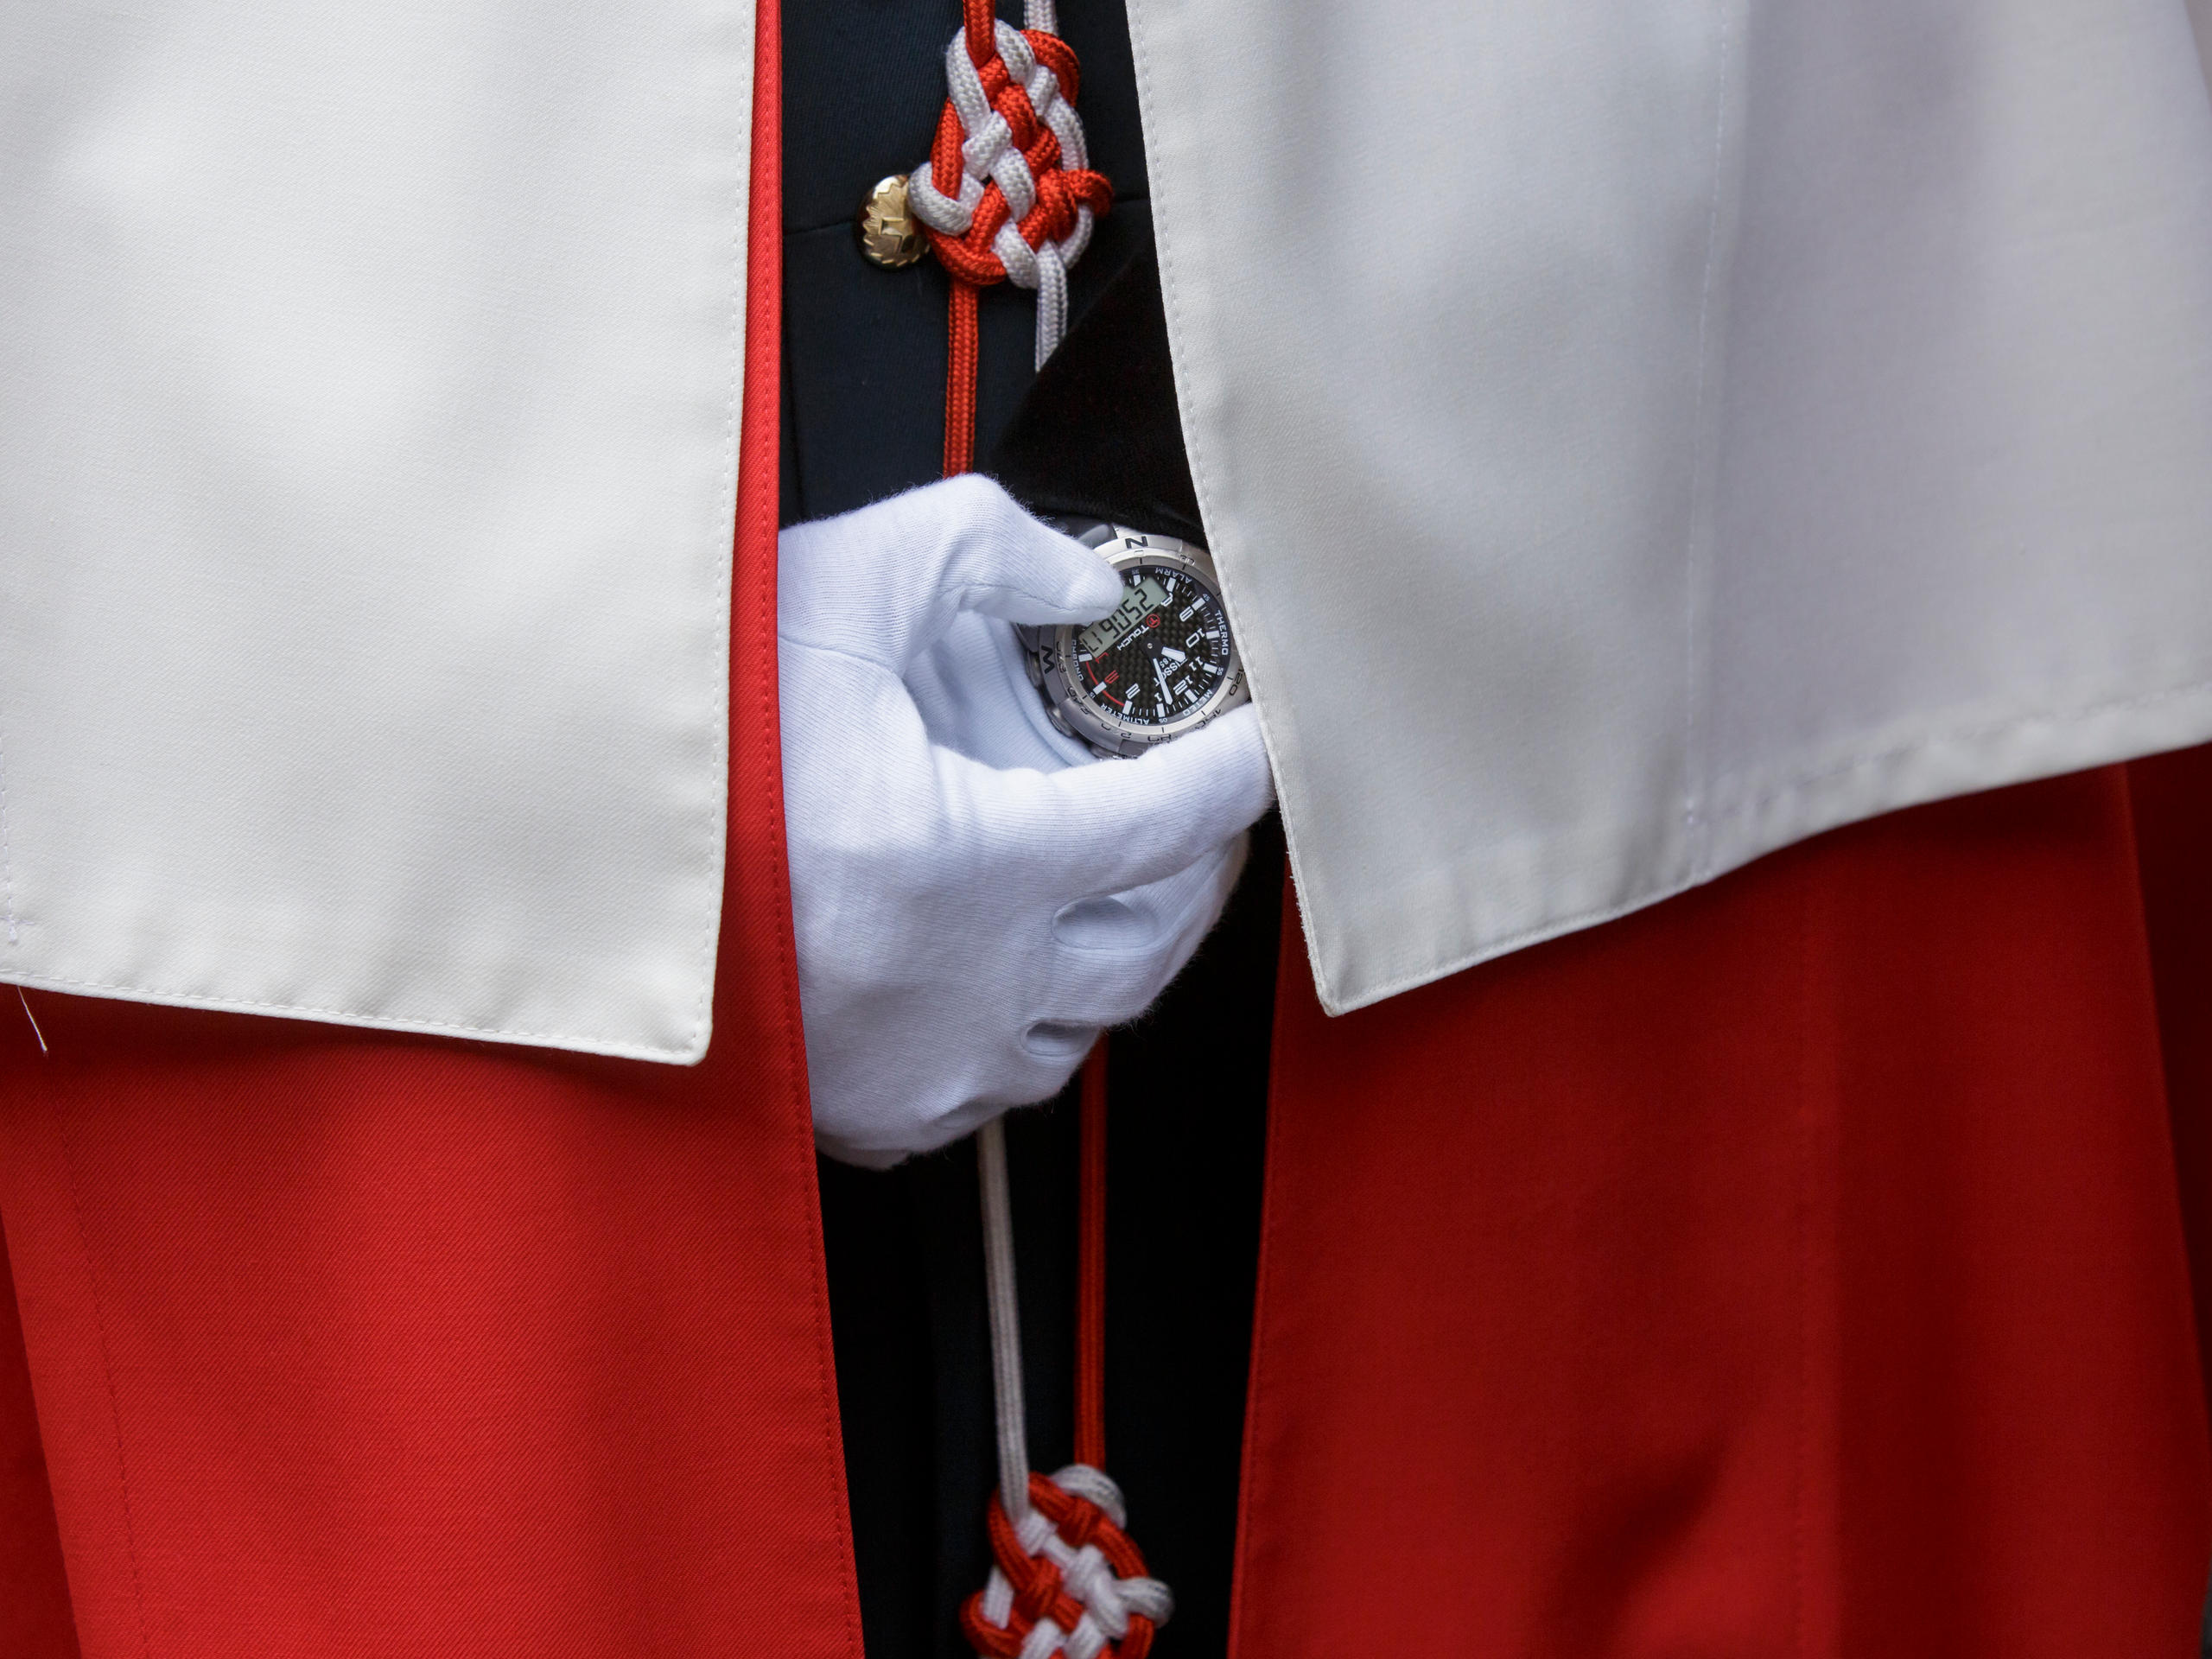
(1634, 437)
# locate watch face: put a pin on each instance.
(1161, 654)
(1161, 664)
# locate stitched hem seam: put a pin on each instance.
(571, 1041)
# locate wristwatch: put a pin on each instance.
(1161, 664)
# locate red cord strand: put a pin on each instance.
(960, 378)
(979, 18)
(1090, 1268)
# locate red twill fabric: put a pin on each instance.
(354, 1344)
(34, 1617)
(1794, 1269)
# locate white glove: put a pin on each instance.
(975, 895)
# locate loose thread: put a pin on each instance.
(32, 1018)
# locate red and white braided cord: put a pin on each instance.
(1007, 193)
(1070, 1582)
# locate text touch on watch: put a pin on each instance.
(1161, 665)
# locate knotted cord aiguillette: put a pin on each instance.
(1007, 193)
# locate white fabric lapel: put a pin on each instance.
(366, 461)
(1635, 437)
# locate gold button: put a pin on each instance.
(890, 234)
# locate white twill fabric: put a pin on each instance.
(975, 897)
(368, 381)
(1637, 437)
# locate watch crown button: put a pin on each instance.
(890, 235)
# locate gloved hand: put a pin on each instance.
(975, 895)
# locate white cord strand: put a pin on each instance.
(1006, 1320)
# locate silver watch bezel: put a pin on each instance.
(1050, 651)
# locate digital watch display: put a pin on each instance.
(1162, 664)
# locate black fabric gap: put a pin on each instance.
(1097, 432)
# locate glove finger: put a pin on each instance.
(1120, 824)
(885, 583)
(1162, 925)
(878, 1133)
